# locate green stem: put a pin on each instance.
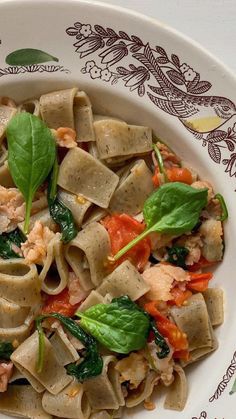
(53, 181)
(224, 209)
(132, 244)
(27, 214)
(160, 162)
(41, 347)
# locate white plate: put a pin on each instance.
(109, 53)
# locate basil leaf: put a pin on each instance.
(6, 242)
(31, 154)
(174, 208)
(120, 326)
(6, 350)
(58, 211)
(177, 256)
(92, 364)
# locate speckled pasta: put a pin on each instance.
(103, 294)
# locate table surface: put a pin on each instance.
(212, 23)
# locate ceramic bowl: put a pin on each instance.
(139, 69)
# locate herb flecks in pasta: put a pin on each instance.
(109, 293)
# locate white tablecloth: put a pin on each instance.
(212, 23)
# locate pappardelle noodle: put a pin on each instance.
(107, 244)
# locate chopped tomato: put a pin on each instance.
(59, 304)
(184, 355)
(180, 174)
(155, 178)
(179, 296)
(201, 264)
(122, 229)
(168, 329)
(199, 282)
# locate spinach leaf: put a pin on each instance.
(28, 56)
(120, 326)
(177, 256)
(6, 242)
(58, 211)
(224, 209)
(174, 208)
(92, 364)
(31, 153)
(164, 349)
(6, 350)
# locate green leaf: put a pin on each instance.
(233, 389)
(92, 364)
(174, 209)
(58, 211)
(31, 154)
(119, 327)
(163, 348)
(6, 350)
(6, 242)
(28, 56)
(177, 256)
(223, 207)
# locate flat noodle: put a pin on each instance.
(124, 280)
(71, 403)
(115, 138)
(144, 391)
(11, 314)
(83, 118)
(57, 108)
(53, 285)
(18, 334)
(193, 320)
(5, 176)
(103, 414)
(19, 282)
(87, 255)
(31, 106)
(178, 391)
(3, 154)
(214, 298)
(22, 401)
(53, 376)
(93, 298)
(99, 390)
(64, 350)
(6, 114)
(134, 188)
(79, 206)
(82, 174)
(95, 214)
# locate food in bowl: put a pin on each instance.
(107, 246)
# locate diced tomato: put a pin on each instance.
(168, 329)
(180, 174)
(59, 304)
(184, 355)
(199, 282)
(155, 178)
(179, 296)
(201, 264)
(122, 229)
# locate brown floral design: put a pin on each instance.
(172, 85)
(203, 415)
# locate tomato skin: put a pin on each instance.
(201, 264)
(59, 304)
(179, 297)
(180, 174)
(122, 229)
(155, 179)
(199, 282)
(177, 339)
